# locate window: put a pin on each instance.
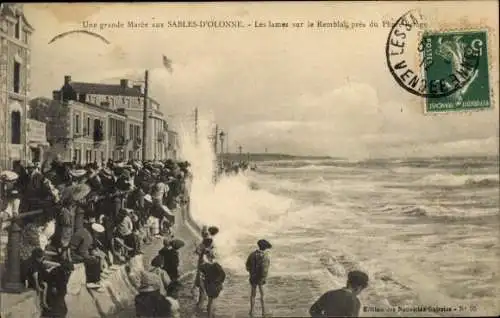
(131, 131)
(25, 38)
(98, 131)
(82, 98)
(78, 156)
(16, 127)
(102, 156)
(17, 77)
(85, 126)
(89, 126)
(17, 30)
(77, 124)
(130, 154)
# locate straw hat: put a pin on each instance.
(78, 173)
(75, 192)
(8, 175)
(98, 228)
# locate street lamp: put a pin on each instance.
(221, 137)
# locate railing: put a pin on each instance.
(12, 282)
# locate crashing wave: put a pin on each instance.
(459, 180)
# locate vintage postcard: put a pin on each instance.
(250, 159)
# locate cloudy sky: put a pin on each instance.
(296, 90)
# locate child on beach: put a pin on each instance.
(342, 302)
(170, 256)
(212, 278)
(207, 244)
(257, 266)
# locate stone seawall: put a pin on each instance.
(116, 298)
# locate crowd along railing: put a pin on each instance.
(11, 278)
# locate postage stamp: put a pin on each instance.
(449, 69)
(464, 55)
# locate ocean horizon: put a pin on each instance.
(424, 229)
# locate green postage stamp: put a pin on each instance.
(459, 60)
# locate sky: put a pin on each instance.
(305, 91)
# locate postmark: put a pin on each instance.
(448, 51)
(410, 59)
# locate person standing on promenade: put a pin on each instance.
(55, 290)
(212, 278)
(342, 302)
(257, 266)
(200, 251)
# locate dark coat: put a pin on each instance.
(152, 304)
(170, 262)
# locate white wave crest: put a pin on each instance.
(458, 180)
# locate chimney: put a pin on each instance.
(124, 83)
(67, 79)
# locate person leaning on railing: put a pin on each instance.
(11, 193)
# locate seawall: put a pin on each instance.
(116, 298)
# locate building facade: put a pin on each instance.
(37, 140)
(172, 145)
(15, 37)
(118, 110)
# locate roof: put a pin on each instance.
(101, 108)
(105, 89)
(10, 10)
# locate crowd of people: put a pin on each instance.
(97, 216)
(101, 216)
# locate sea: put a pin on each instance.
(426, 230)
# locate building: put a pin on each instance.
(37, 140)
(15, 37)
(172, 145)
(119, 110)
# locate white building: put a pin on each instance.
(124, 105)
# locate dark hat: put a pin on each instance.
(177, 244)
(264, 244)
(213, 230)
(357, 278)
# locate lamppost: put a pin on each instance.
(222, 135)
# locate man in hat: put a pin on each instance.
(125, 230)
(81, 246)
(212, 280)
(150, 303)
(55, 290)
(342, 302)
(171, 260)
(257, 265)
(38, 191)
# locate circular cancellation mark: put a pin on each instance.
(426, 77)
